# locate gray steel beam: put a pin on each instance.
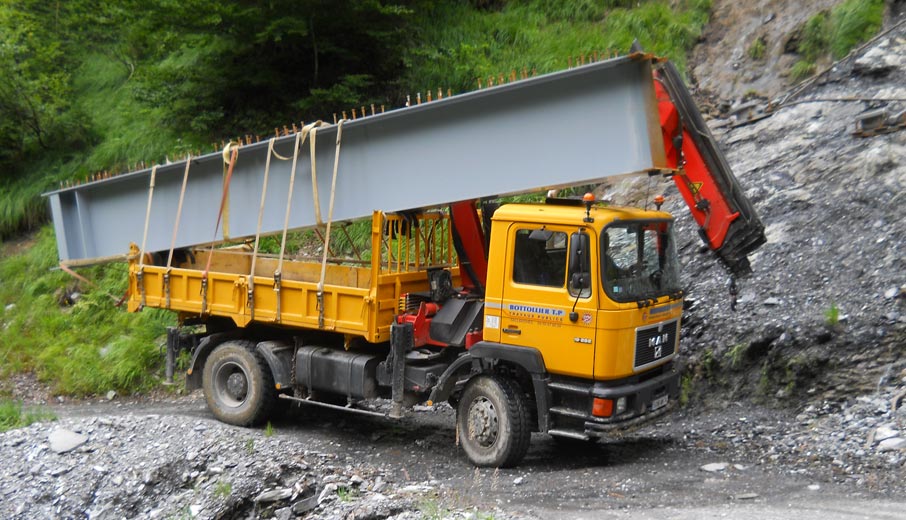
(565, 128)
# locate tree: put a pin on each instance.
(35, 94)
(247, 66)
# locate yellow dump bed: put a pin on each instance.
(360, 296)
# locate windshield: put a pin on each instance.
(639, 260)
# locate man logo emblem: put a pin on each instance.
(657, 343)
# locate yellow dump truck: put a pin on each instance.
(561, 317)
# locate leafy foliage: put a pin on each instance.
(35, 94)
(101, 86)
(243, 66)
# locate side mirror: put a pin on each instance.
(579, 263)
(578, 253)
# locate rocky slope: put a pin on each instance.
(820, 327)
(722, 64)
(824, 312)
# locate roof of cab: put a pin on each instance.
(572, 214)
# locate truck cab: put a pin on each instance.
(595, 291)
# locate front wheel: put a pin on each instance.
(492, 422)
(238, 384)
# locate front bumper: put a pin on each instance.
(645, 401)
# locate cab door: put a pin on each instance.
(548, 301)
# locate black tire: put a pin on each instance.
(492, 422)
(238, 384)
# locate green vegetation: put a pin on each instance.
(268, 429)
(89, 346)
(764, 380)
(12, 415)
(223, 489)
(757, 49)
(463, 44)
(431, 509)
(735, 354)
(854, 22)
(832, 315)
(801, 70)
(347, 494)
(832, 35)
(687, 388)
(710, 365)
(95, 87)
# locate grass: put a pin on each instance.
(431, 509)
(801, 70)
(757, 49)
(735, 354)
(346, 494)
(89, 347)
(832, 315)
(463, 44)
(710, 365)
(269, 429)
(13, 415)
(687, 388)
(854, 22)
(222, 489)
(831, 35)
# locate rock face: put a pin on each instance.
(823, 315)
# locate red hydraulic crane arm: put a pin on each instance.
(708, 206)
(726, 218)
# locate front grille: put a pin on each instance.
(654, 343)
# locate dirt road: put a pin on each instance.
(683, 467)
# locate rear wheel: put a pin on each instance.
(238, 384)
(492, 422)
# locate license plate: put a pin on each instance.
(660, 402)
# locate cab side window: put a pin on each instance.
(539, 257)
